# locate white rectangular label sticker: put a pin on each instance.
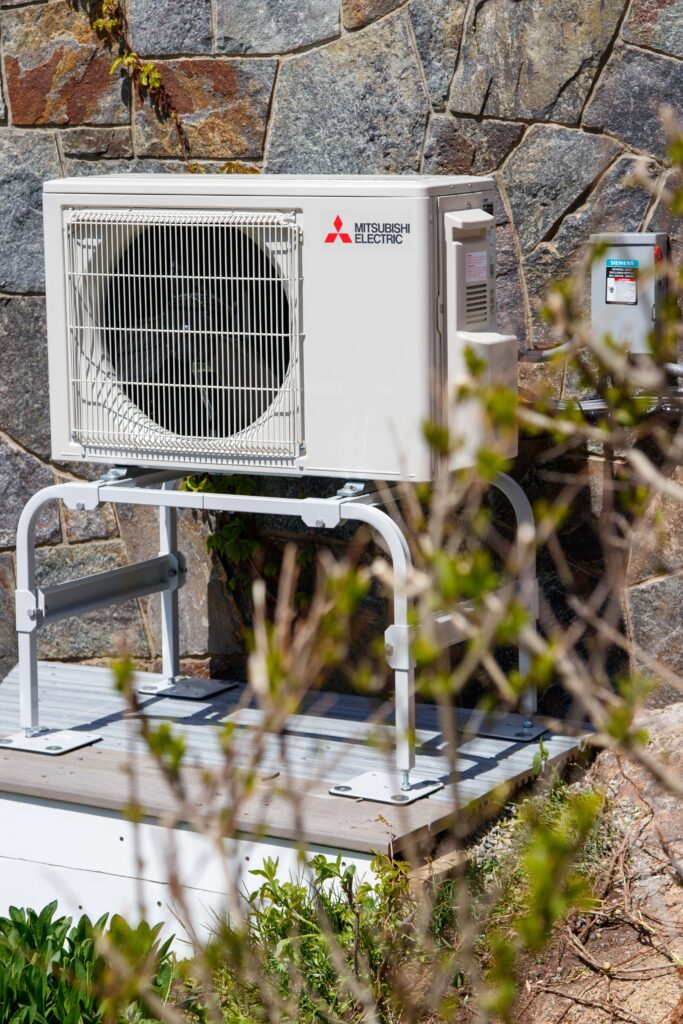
(622, 282)
(475, 268)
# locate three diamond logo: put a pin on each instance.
(338, 233)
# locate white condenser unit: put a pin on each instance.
(271, 324)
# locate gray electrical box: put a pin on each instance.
(628, 287)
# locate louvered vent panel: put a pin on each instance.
(184, 332)
(476, 304)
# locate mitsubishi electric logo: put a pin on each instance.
(369, 233)
(338, 233)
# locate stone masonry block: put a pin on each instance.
(26, 160)
(656, 621)
(103, 143)
(539, 192)
(21, 475)
(175, 26)
(104, 633)
(358, 13)
(657, 24)
(532, 60)
(209, 622)
(629, 97)
(461, 145)
(223, 105)
(438, 31)
(24, 412)
(357, 106)
(8, 636)
(56, 69)
(274, 26)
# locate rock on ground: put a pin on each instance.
(636, 942)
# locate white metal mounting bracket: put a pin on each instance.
(181, 687)
(321, 513)
(388, 787)
(398, 647)
(165, 574)
(28, 613)
(49, 741)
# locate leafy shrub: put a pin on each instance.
(54, 973)
(314, 942)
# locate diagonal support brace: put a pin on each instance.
(75, 597)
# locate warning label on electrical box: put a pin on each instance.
(475, 268)
(622, 282)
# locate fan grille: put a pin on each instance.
(183, 332)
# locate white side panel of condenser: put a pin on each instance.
(369, 310)
(470, 326)
(63, 447)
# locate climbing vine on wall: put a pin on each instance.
(108, 20)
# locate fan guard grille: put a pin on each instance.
(184, 332)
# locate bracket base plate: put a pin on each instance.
(182, 687)
(50, 741)
(385, 788)
(504, 727)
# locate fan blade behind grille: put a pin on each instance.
(196, 328)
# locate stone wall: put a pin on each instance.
(558, 98)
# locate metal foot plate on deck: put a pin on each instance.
(183, 687)
(385, 788)
(503, 727)
(49, 741)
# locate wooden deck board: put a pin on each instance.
(325, 744)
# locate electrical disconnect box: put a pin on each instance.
(628, 287)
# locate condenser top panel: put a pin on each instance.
(286, 185)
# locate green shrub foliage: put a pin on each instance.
(55, 972)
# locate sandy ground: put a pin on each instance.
(624, 962)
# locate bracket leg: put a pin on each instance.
(529, 701)
(527, 586)
(34, 737)
(173, 683)
(28, 683)
(403, 785)
(170, 639)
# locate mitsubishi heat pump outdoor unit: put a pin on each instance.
(273, 324)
